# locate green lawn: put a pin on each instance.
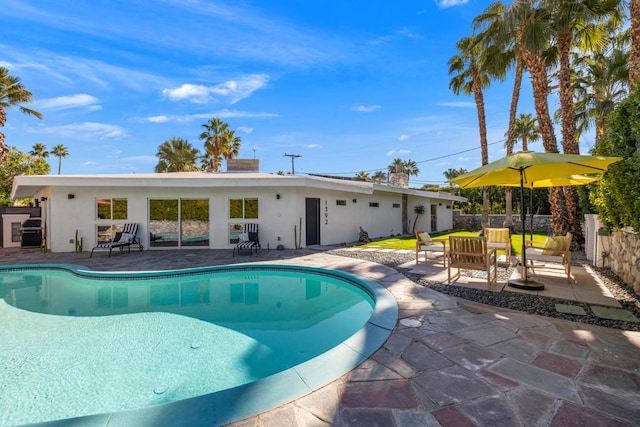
(409, 242)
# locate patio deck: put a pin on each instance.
(449, 362)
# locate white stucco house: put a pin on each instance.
(209, 210)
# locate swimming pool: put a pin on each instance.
(214, 344)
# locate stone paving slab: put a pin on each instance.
(571, 309)
(613, 313)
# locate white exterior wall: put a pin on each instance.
(277, 216)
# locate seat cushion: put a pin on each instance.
(538, 254)
(497, 235)
(556, 245)
(125, 238)
(424, 237)
(432, 248)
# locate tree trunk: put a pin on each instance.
(569, 141)
(511, 141)
(634, 55)
(484, 146)
(540, 86)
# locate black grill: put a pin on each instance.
(31, 232)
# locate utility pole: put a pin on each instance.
(293, 157)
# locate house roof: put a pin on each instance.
(25, 186)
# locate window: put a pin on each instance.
(115, 209)
(341, 202)
(396, 205)
(374, 204)
(243, 208)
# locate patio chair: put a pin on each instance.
(472, 253)
(498, 238)
(249, 240)
(123, 239)
(424, 243)
(556, 250)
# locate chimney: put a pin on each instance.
(243, 165)
(399, 180)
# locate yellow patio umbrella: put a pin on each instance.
(563, 181)
(525, 169)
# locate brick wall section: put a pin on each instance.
(541, 223)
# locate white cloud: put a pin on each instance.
(86, 130)
(222, 114)
(158, 119)
(313, 146)
(65, 102)
(398, 153)
(245, 129)
(366, 108)
(90, 163)
(230, 91)
(443, 4)
(460, 104)
(464, 159)
(198, 94)
(404, 137)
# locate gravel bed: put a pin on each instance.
(544, 306)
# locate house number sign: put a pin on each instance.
(326, 213)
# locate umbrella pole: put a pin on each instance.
(531, 213)
(524, 282)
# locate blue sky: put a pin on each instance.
(347, 85)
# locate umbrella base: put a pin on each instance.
(527, 284)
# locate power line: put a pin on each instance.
(421, 161)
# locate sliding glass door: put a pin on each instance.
(178, 223)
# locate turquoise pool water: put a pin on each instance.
(76, 343)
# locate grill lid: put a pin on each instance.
(32, 223)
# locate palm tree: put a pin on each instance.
(219, 142)
(503, 44)
(60, 151)
(379, 177)
(601, 81)
(396, 166)
(213, 143)
(534, 33)
(449, 174)
(411, 168)
(469, 78)
(526, 129)
(177, 155)
(39, 151)
(362, 176)
(12, 92)
(571, 21)
(634, 57)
